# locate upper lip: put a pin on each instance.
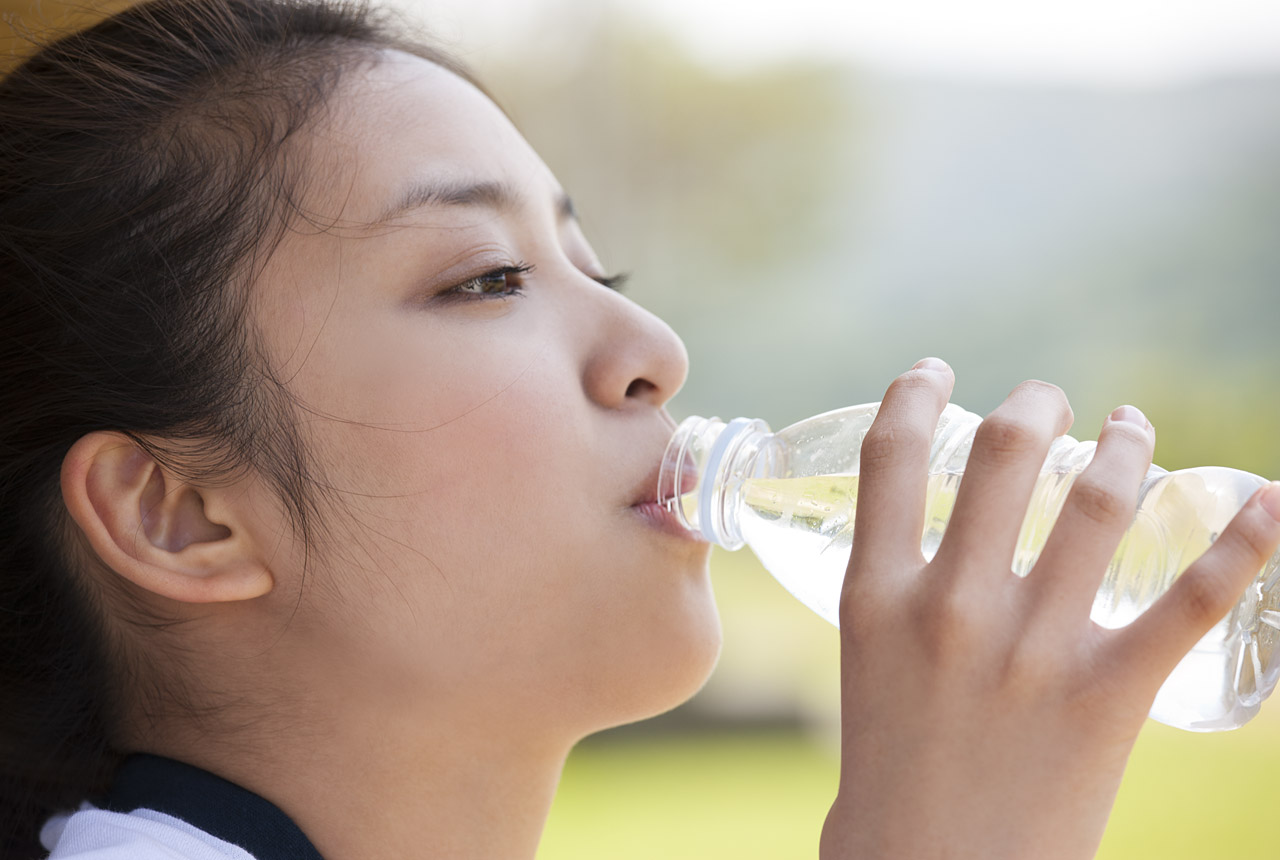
(648, 490)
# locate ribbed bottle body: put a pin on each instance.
(792, 497)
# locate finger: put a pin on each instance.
(1149, 648)
(1004, 463)
(893, 468)
(1098, 510)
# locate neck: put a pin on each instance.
(457, 800)
(437, 790)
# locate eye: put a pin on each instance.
(502, 281)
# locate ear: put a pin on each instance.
(157, 531)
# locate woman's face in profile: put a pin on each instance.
(488, 415)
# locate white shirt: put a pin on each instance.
(144, 834)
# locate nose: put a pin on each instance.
(634, 357)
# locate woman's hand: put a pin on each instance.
(985, 715)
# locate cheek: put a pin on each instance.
(482, 550)
(461, 469)
(502, 556)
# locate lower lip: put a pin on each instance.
(660, 518)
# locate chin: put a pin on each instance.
(700, 660)
(674, 665)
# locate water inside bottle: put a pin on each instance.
(802, 529)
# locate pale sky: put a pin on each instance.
(1109, 42)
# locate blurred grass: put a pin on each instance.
(1184, 797)
(745, 797)
(1200, 796)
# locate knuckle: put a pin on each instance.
(950, 624)
(1092, 702)
(855, 619)
(890, 442)
(1030, 667)
(1003, 439)
(913, 382)
(1251, 545)
(1100, 503)
(1206, 597)
(1054, 398)
(866, 609)
(853, 600)
(1044, 390)
(1129, 434)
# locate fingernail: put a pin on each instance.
(930, 364)
(1271, 500)
(1130, 415)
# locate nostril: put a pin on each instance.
(640, 387)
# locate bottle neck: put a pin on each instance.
(703, 470)
(707, 462)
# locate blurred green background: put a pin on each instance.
(811, 227)
(811, 224)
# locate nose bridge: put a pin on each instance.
(632, 354)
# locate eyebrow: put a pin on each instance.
(441, 193)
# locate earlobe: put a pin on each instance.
(154, 529)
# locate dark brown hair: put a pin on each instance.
(148, 165)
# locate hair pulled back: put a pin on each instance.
(145, 173)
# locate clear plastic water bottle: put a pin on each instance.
(791, 497)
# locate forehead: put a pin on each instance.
(401, 119)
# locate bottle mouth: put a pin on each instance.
(682, 463)
(693, 477)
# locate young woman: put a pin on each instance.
(327, 461)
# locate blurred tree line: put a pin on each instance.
(812, 229)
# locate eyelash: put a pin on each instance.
(464, 289)
(504, 272)
(614, 282)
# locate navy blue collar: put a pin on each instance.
(209, 802)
